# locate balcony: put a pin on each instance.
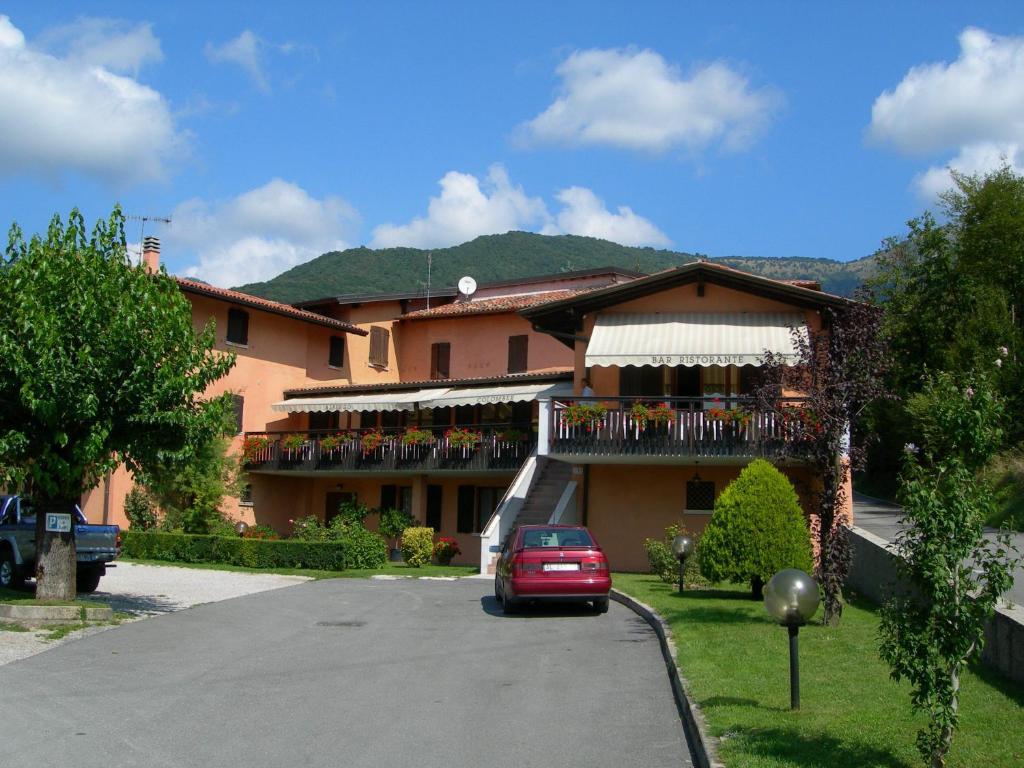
(492, 449)
(616, 430)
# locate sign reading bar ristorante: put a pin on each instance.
(698, 360)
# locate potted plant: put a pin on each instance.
(392, 523)
(371, 440)
(331, 443)
(417, 436)
(254, 448)
(462, 437)
(640, 414)
(511, 435)
(589, 415)
(445, 549)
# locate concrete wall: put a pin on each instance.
(873, 574)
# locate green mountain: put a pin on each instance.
(518, 254)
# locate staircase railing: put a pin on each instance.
(504, 517)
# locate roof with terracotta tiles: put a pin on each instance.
(266, 305)
(493, 306)
(555, 374)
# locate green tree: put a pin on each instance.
(756, 530)
(954, 576)
(190, 485)
(99, 366)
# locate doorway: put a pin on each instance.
(334, 500)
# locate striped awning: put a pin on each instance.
(433, 397)
(734, 338)
(377, 401)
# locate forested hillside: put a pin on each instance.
(517, 254)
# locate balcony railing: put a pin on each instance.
(389, 450)
(679, 427)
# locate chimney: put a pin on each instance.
(151, 254)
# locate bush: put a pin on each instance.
(140, 510)
(363, 548)
(308, 529)
(665, 565)
(393, 522)
(255, 532)
(445, 549)
(417, 546)
(756, 530)
(354, 552)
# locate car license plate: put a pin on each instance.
(561, 566)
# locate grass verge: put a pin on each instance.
(16, 597)
(736, 664)
(391, 569)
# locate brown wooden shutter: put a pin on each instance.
(336, 356)
(379, 346)
(440, 360)
(517, 353)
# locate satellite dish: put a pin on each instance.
(467, 285)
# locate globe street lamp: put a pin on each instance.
(682, 548)
(791, 598)
(241, 527)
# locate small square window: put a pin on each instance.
(238, 327)
(246, 497)
(700, 495)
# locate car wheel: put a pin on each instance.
(497, 589)
(10, 574)
(509, 604)
(88, 580)
(601, 605)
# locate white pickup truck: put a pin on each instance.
(96, 545)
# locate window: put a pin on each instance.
(700, 495)
(517, 346)
(440, 360)
(475, 507)
(396, 497)
(321, 420)
(238, 327)
(336, 356)
(239, 405)
(246, 498)
(379, 338)
(434, 501)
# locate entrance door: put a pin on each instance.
(334, 500)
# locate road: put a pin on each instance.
(350, 672)
(883, 519)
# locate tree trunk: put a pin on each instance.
(56, 558)
(756, 588)
(833, 552)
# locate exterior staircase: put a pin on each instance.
(549, 482)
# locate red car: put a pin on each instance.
(552, 562)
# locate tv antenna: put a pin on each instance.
(142, 224)
(430, 259)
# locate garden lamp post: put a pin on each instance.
(791, 598)
(682, 548)
(241, 527)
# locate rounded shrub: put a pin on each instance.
(756, 530)
(417, 546)
(363, 548)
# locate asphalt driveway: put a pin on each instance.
(350, 673)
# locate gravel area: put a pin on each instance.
(149, 590)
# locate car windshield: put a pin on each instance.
(557, 537)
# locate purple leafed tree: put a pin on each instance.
(839, 370)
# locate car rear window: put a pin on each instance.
(556, 537)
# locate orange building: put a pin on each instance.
(491, 383)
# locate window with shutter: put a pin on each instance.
(336, 356)
(238, 327)
(239, 405)
(379, 346)
(440, 357)
(517, 350)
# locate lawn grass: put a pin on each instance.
(391, 569)
(15, 596)
(736, 664)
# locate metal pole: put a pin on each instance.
(682, 573)
(794, 668)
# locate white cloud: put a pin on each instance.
(974, 159)
(260, 233)
(248, 51)
(585, 214)
(64, 114)
(636, 100)
(978, 98)
(467, 208)
(974, 106)
(245, 51)
(115, 44)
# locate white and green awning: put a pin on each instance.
(728, 338)
(377, 401)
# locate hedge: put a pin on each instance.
(253, 553)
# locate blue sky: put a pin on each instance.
(271, 133)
